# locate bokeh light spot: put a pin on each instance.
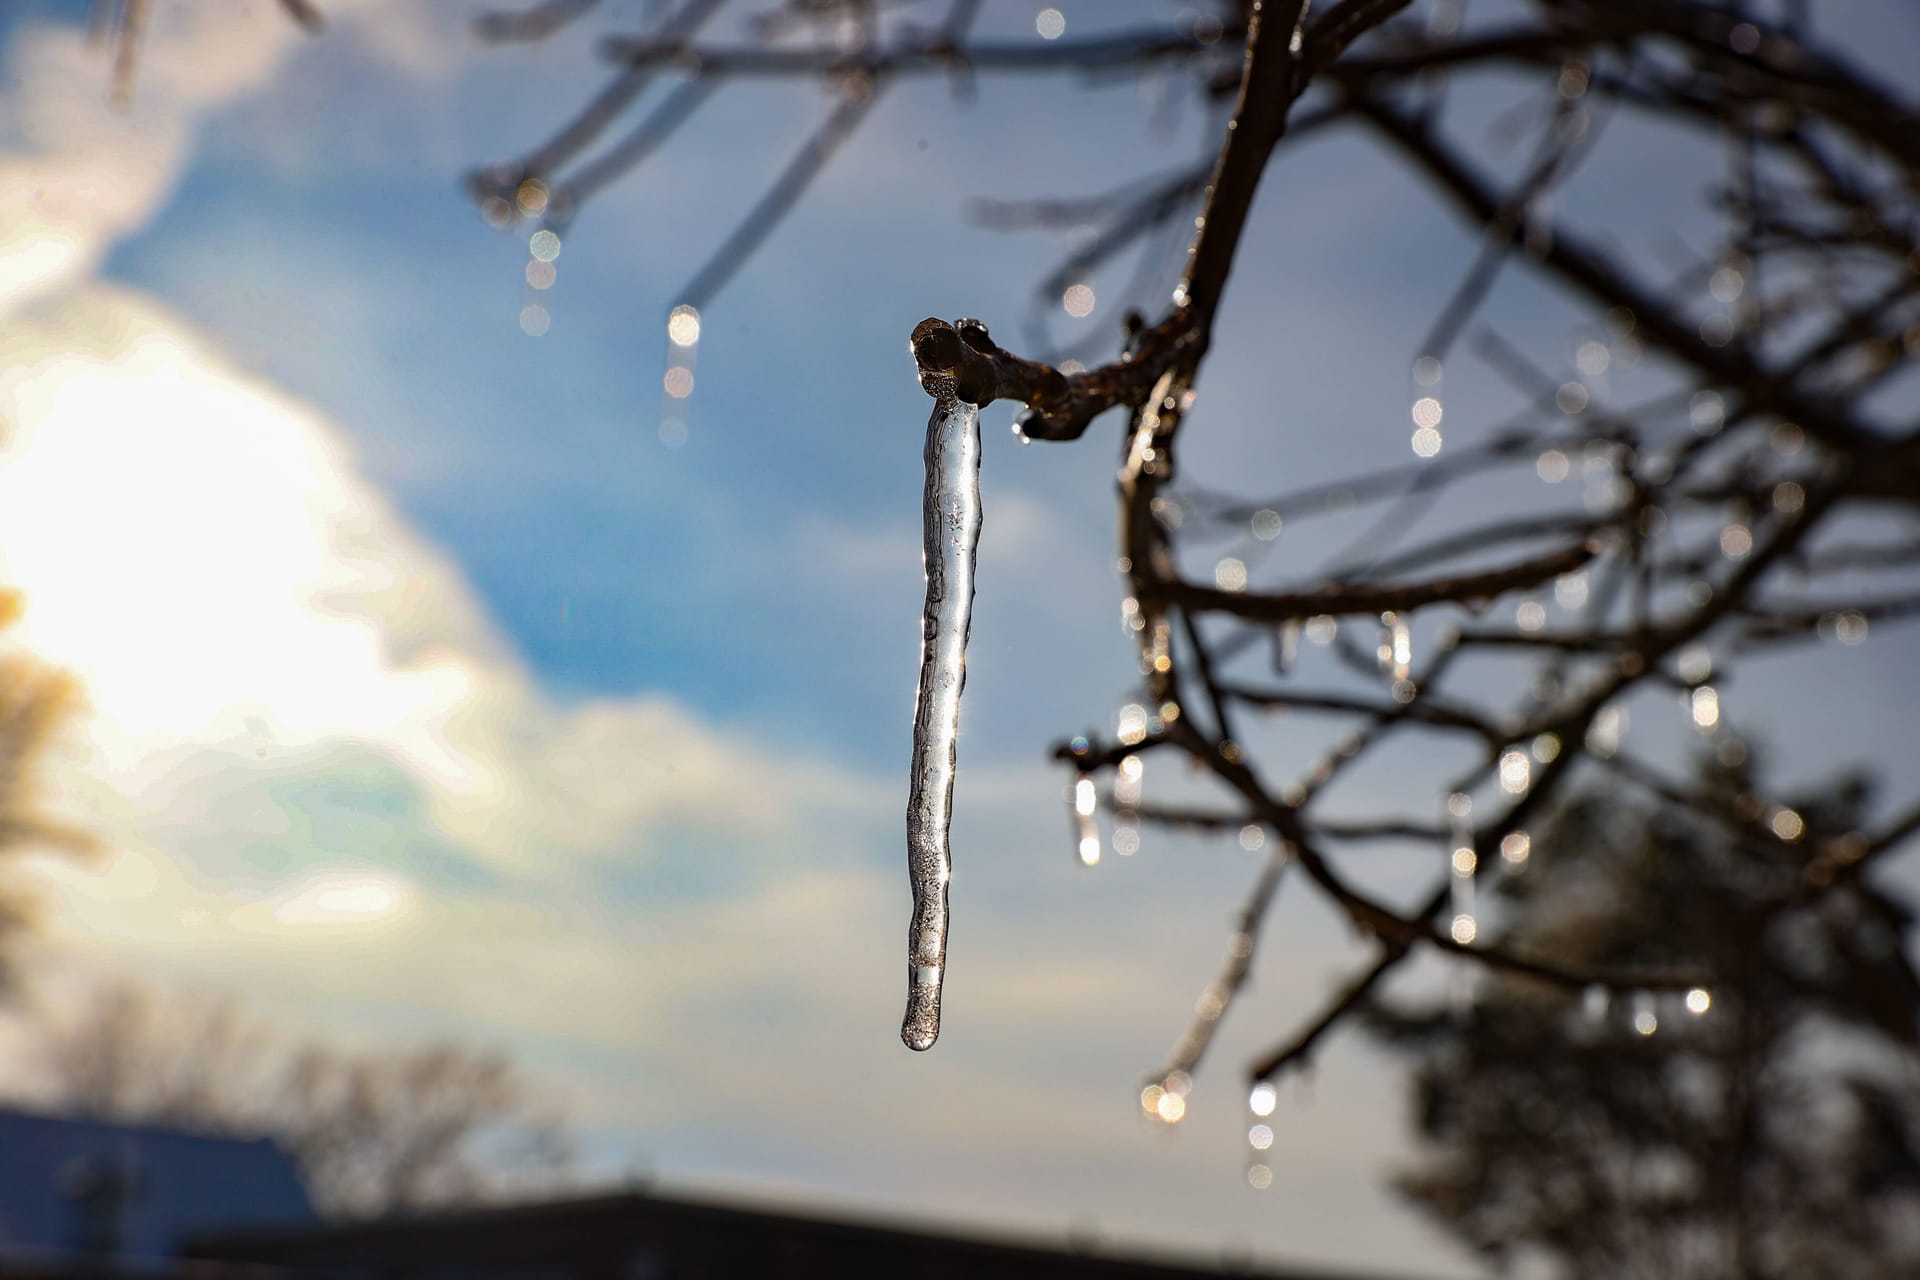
(1516, 772)
(531, 197)
(683, 325)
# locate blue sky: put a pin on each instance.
(617, 732)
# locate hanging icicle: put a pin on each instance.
(1083, 803)
(1127, 787)
(951, 526)
(1463, 861)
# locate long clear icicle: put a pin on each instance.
(952, 528)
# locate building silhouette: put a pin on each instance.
(82, 1199)
(83, 1192)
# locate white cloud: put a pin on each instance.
(199, 549)
(254, 623)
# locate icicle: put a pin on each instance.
(1156, 654)
(1645, 1020)
(1603, 735)
(1703, 705)
(1260, 1138)
(1427, 407)
(1396, 646)
(1463, 861)
(1286, 648)
(951, 516)
(1082, 800)
(1126, 798)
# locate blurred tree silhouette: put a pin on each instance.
(36, 702)
(374, 1132)
(1776, 1133)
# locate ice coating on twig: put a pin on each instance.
(952, 529)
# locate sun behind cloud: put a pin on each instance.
(199, 550)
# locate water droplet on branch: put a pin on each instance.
(1516, 772)
(683, 326)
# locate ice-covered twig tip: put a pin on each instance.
(951, 521)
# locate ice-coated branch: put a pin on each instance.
(1368, 598)
(534, 23)
(934, 54)
(1213, 1002)
(1376, 918)
(1059, 406)
(1350, 997)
